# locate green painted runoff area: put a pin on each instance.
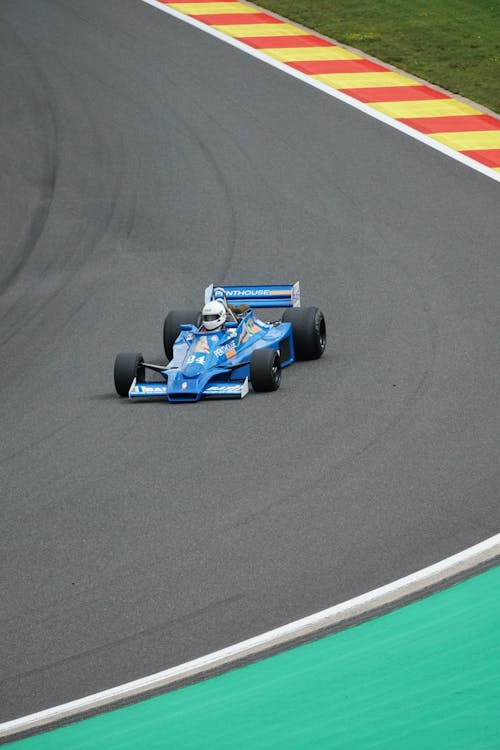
(423, 676)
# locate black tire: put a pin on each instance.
(172, 327)
(308, 330)
(265, 370)
(127, 367)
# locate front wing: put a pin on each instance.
(213, 389)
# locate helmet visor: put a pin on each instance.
(208, 318)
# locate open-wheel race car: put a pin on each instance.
(217, 352)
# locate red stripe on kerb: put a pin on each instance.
(230, 19)
(490, 157)
(394, 94)
(453, 124)
(278, 42)
(336, 66)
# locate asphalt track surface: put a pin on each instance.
(140, 160)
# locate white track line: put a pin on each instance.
(488, 171)
(307, 626)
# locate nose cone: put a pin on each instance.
(193, 369)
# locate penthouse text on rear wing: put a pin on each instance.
(274, 295)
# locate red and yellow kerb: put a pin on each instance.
(449, 121)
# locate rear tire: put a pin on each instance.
(127, 367)
(172, 327)
(308, 330)
(265, 370)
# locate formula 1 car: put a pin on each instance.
(220, 364)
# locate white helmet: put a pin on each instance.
(214, 315)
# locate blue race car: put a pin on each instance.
(208, 363)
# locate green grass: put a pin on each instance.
(452, 43)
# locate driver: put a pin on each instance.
(213, 316)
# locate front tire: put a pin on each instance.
(308, 330)
(127, 367)
(172, 327)
(265, 370)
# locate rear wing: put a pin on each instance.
(277, 295)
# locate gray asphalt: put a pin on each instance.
(140, 160)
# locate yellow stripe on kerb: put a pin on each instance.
(261, 29)
(363, 80)
(426, 108)
(295, 54)
(200, 9)
(477, 140)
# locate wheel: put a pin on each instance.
(308, 330)
(265, 370)
(172, 327)
(127, 367)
